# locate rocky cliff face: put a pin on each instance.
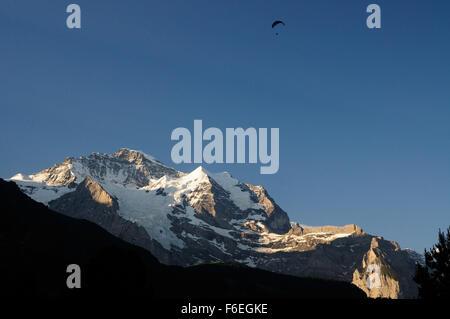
(385, 271)
(186, 219)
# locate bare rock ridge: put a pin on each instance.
(334, 230)
(278, 220)
(88, 201)
(200, 217)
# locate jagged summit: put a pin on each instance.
(127, 167)
(133, 155)
(199, 172)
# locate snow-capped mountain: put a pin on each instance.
(200, 217)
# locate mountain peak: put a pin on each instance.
(132, 155)
(21, 177)
(200, 171)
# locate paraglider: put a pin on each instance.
(277, 22)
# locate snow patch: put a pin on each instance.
(148, 210)
(41, 192)
(240, 198)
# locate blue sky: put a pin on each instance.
(363, 114)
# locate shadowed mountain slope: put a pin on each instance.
(38, 244)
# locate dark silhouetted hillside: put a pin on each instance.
(37, 244)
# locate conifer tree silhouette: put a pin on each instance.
(433, 278)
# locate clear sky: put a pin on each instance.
(363, 114)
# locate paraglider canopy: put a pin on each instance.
(277, 22)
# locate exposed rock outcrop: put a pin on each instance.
(385, 272)
(277, 221)
(334, 230)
